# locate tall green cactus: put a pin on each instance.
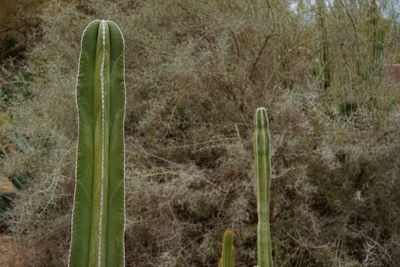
(262, 167)
(228, 250)
(98, 216)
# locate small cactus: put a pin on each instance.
(228, 250)
(262, 167)
(98, 216)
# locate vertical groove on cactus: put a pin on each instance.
(98, 216)
(228, 250)
(262, 167)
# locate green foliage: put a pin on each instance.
(6, 198)
(20, 141)
(20, 181)
(17, 89)
(228, 250)
(99, 213)
(262, 168)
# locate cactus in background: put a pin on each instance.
(262, 167)
(228, 250)
(378, 46)
(325, 60)
(98, 216)
(377, 38)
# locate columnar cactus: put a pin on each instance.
(377, 37)
(262, 169)
(98, 216)
(325, 60)
(228, 250)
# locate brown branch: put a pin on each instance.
(236, 45)
(267, 37)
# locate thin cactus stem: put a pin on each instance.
(228, 250)
(262, 167)
(98, 215)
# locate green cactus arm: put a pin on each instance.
(98, 219)
(228, 250)
(262, 167)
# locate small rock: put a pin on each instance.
(395, 72)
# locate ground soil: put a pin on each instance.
(11, 254)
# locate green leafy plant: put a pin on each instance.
(18, 183)
(98, 217)
(17, 88)
(228, 250)
(6, 199)
(262, 167)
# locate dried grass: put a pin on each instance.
(196, 71)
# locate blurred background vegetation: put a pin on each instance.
(195, 73)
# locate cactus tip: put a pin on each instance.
(261, 118)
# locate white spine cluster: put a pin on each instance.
(103, 24)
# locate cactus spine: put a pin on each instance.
(98, 216)
(228, 250)
(262, 167)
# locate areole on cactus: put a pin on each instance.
(98, 217)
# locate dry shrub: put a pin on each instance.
(196, 71)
